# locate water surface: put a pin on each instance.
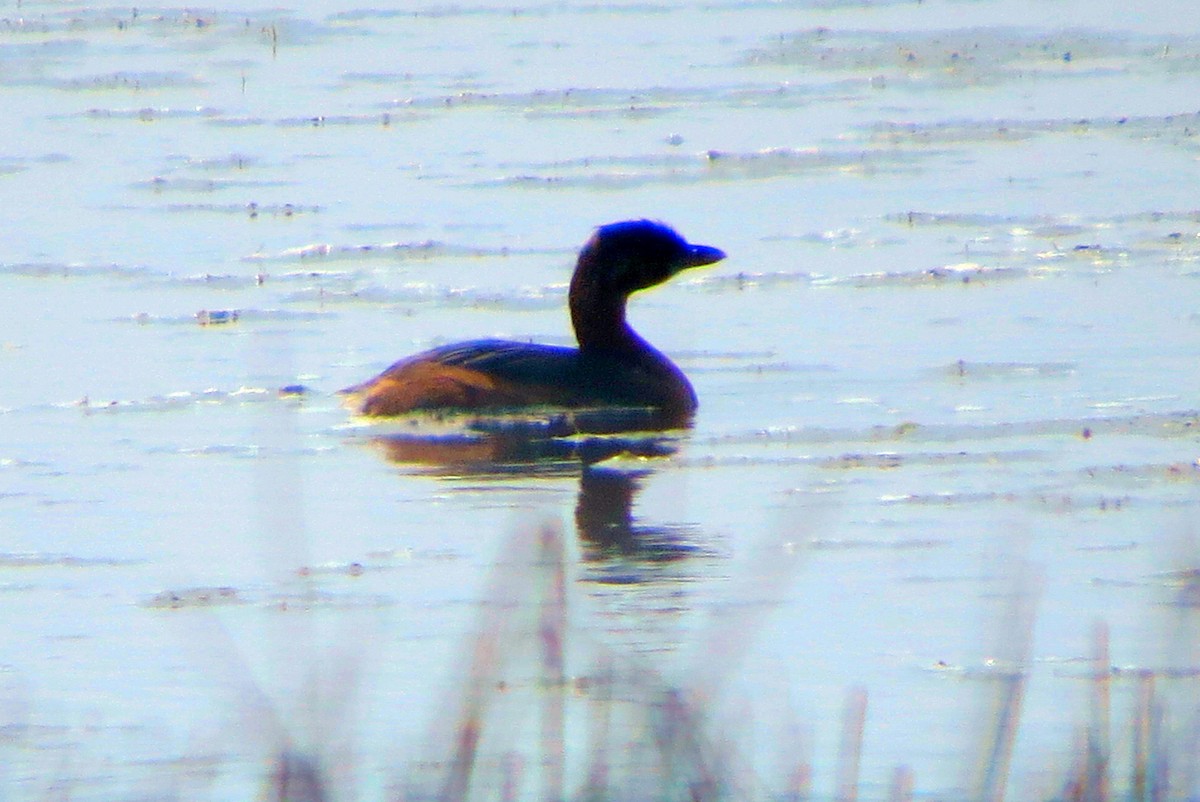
(952, 354)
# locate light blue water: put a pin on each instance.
(953, 250)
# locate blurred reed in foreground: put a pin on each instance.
(538, 712)
(519, 726)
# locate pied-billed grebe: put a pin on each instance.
(612, 366)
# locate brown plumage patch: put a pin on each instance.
(432, 385)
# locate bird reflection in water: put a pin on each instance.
(609, 531)
(615, 542)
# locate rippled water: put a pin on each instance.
(950, 360)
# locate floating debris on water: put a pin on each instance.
(194, 597)
(400, 251)
(252, 210)
(963, 369)
(217, 317)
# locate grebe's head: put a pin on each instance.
(635, 254)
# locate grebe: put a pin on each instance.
(612, 366)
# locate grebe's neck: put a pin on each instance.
(598, 316)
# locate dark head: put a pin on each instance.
(622, 258)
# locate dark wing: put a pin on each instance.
(510, 361)
(562, 375)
